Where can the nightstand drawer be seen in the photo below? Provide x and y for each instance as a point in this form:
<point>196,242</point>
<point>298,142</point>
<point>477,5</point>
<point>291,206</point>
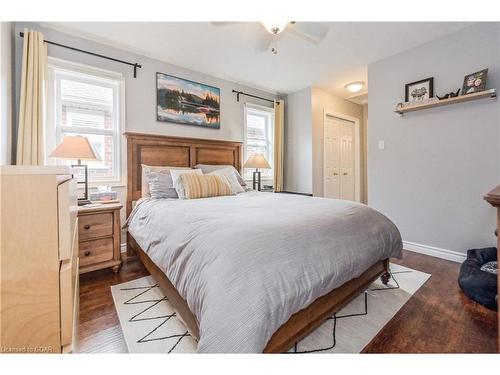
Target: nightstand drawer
<point>95,225</point>
<point>95,251</point>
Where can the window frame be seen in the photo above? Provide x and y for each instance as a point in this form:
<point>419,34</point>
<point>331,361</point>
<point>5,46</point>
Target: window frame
<point>270,112</point>
<point>57,67</point>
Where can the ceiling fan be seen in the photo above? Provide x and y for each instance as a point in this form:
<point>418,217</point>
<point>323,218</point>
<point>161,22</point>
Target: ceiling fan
<point>312,32</point>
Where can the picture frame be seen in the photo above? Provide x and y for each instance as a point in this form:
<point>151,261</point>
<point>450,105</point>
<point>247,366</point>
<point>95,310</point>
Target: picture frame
<point>419,91</point>
<point>475,82</point>
<point>186,102</point>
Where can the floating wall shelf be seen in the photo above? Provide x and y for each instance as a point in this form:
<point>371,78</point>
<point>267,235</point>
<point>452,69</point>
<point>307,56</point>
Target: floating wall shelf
<point>492,94</point>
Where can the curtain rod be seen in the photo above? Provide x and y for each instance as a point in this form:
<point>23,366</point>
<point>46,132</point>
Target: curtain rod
<point>238,93</point>
<point>135,65</point>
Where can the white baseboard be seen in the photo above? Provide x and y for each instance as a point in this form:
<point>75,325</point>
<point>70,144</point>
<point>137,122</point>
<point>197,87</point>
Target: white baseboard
<point>437,252</point>
<point>123,247</point>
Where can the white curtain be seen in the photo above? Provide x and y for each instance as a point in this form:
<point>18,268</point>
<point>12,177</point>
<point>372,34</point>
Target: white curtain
<point>279,124</point>
<point>30,139</point>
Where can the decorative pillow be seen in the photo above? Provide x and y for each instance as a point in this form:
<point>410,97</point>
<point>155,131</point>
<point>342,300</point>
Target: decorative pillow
<point>146,169</point>
<point>205,185</point>
<point>208,168</point>
<point>231,178</point>
<point>161,185</point>
<point>176,174</point>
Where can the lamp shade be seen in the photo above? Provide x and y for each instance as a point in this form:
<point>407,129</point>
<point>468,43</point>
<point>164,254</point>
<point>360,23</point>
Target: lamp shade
<point>257,161</point>
<point>75,148</point>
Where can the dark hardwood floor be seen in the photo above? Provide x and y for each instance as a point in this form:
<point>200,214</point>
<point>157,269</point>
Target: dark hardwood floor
<point>439,318</point>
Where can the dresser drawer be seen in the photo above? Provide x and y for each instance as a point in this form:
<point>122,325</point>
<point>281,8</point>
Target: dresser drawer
<point>95,251</point>
<point>95,225</point>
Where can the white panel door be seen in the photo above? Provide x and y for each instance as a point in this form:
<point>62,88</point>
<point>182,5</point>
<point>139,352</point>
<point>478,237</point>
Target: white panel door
<point>347,160</point>
<point>331,165</point>
<point>338,159</point>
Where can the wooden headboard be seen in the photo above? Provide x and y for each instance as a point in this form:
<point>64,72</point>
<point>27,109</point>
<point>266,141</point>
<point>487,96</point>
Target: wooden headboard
<point>176,152</point>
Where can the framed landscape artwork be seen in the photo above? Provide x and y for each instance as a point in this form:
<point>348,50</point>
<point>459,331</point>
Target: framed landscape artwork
<point>186,102</point>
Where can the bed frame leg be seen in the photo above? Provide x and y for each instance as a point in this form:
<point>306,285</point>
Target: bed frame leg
<point>385,278</point>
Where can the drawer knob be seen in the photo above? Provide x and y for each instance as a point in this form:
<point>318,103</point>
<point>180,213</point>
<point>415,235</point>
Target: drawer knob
<point>87,253</point>
<point>86,226</point>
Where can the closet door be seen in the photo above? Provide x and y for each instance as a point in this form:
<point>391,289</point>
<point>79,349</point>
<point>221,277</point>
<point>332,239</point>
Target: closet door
<point>331,157</point>
<point>347,160</point>
<point>338,159</point>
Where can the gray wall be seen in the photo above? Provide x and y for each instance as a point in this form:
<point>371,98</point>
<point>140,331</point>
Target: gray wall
<point>140,92</point>
<point>298,143</point>
<point>437,163</point>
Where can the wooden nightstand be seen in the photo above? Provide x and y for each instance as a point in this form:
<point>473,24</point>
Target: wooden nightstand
<point>99,231</point>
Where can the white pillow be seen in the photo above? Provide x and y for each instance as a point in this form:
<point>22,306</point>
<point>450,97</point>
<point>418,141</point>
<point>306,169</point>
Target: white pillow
<point>231,178</point>
<point>146,169</point>
<point>208,168</point>
<point>177,181</point>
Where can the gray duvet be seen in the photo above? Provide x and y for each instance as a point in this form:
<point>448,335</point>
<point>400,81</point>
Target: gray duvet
<point>246,263</point>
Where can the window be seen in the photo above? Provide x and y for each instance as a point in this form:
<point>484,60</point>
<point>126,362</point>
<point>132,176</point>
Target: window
<point>259,137</point>
<point>87,101</point>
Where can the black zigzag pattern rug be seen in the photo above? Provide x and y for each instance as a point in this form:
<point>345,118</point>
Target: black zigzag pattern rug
<point>151,325</point>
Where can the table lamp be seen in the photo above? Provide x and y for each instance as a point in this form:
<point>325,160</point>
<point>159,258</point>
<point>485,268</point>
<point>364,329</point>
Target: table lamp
<point>77,148</point>
<point>257,161</point>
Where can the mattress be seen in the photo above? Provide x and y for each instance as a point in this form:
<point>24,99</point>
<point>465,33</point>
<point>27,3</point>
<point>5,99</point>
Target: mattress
<point>246,263</point>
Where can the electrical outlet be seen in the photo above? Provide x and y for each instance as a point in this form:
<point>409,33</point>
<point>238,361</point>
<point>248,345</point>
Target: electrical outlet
<point>381,145</point>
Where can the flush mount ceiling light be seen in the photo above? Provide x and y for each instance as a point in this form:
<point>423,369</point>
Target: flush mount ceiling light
<point>355,86</point>
<point>275,27</point>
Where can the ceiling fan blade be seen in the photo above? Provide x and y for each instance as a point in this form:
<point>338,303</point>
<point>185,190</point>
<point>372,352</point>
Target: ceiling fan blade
<point>313,32</point>
<point>222,23</point>
<point>265,41</point>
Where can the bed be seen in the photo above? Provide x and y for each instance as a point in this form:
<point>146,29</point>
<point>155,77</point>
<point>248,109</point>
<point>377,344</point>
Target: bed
<point>254,272</point>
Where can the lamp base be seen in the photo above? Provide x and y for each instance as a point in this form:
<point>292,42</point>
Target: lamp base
<point>83,202</point>
<point>256,180</point>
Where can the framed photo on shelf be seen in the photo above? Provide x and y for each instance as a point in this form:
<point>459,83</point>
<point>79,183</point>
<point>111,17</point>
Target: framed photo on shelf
<point>420,90</point>
<point>475,82</point>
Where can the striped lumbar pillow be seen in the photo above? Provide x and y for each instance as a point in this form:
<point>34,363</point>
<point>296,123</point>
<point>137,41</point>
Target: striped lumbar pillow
<point>205,186</point>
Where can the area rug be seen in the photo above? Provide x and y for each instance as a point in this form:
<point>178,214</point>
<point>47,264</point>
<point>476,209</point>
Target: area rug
<point>151,325</point>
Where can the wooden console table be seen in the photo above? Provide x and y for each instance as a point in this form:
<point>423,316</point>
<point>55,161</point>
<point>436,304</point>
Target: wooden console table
<point>493,198</point>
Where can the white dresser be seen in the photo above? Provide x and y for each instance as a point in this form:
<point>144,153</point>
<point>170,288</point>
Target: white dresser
<point>38,259</point>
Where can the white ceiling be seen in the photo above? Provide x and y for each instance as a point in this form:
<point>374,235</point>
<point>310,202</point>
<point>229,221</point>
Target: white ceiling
<point>234,51</point>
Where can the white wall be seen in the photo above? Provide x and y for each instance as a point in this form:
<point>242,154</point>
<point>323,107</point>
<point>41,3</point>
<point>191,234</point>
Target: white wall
<point>304,138</point>
<point>6,71</point>
<point>437,163</point>
<point>140,92</point>
<point>322,100</point>
<point>298,143</point>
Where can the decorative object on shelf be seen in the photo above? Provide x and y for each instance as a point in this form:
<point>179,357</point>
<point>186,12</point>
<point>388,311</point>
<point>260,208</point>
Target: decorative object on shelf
<point>449,95</point>
<point>77,148</point>
<point>420,90</point>
<point>434,102</point>
<point>257,161</point>
<point>182,101</point>
<point>475,82</point>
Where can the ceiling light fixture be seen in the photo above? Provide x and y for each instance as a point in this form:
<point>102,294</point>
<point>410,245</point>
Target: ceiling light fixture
<point>355,86</point>
<point>275,27</point>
